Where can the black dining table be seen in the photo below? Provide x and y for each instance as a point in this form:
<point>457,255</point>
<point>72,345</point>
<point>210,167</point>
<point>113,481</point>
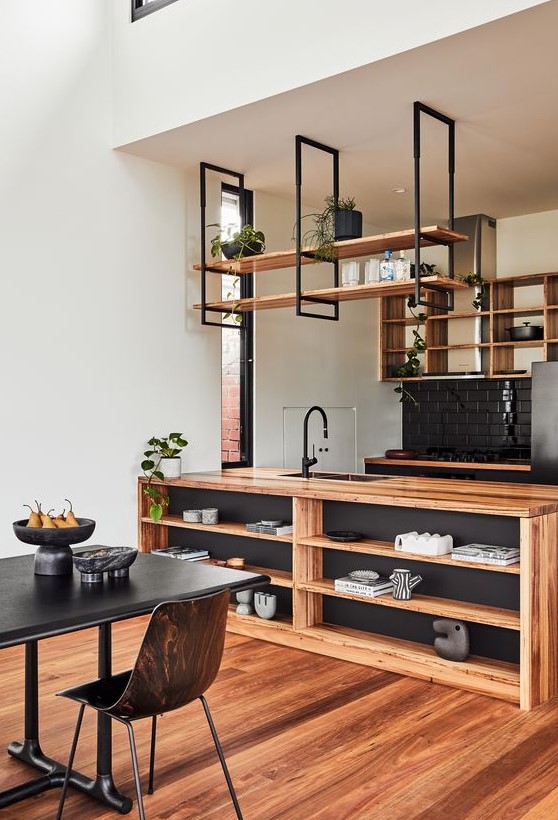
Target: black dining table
<point>33,607</point>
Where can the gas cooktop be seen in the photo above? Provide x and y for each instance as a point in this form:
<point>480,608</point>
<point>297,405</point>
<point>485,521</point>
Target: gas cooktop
<point>507,455</point>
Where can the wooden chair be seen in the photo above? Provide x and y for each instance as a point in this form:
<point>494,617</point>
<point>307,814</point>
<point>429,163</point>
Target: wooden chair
<point>178,660</point>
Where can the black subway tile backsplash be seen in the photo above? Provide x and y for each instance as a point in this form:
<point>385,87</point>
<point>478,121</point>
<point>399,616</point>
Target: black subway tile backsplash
<point>468,414</point>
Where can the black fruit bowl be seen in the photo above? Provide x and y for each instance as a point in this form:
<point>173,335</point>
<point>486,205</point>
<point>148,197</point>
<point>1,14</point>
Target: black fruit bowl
<point>54,555</point>
<point>47,537</point>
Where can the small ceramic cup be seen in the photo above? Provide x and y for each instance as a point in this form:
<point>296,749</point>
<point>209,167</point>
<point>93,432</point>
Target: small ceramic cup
<point>210,515</point>
<point>265,604</point>
<point>192,516</point>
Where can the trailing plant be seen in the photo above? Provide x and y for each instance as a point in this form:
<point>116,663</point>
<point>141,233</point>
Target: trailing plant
<point>250,242</point>
<point>167,447</point>
<point>320,237</point>
<point>476,280</point>
<point>411,367</point>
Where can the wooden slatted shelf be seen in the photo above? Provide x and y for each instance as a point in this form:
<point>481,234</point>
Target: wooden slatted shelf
<point>279,577</point>
<point>444,607</point>
<point>484,675</point>
<point>355,293</point>
<point>386,549</point>
<point>279,622</point>
<point>224,528</point>
<point>346,249</point>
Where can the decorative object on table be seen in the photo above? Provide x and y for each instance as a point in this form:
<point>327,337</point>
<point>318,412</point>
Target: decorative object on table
<point>54,554</point>
<point>525,332</point>
<point>94,562</point>
<point>424,544</point>
<point>265,605</point>
<point>487,554</point>
<point>343,535</point>
<point>161,461</point>
<point>401,454</point>
<point>372,588</point>
<point>403,583</point>
<point>338,220</point>
<point>183,553</point>
<point>245,602</point>
<point>210,515</point>
<point>452,641</point>
<point>236,563</point>
<point>270,527</point>
<point>350,274</point>
<point>192,516</point>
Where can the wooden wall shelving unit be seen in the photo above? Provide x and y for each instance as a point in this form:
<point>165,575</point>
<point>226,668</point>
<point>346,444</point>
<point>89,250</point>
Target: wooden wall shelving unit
<point>347,249</point>
<point>500,313</point>
<point>528,683</point>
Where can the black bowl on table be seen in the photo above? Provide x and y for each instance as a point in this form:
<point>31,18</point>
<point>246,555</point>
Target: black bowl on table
<point>92,563</point>
<point>54,554</point>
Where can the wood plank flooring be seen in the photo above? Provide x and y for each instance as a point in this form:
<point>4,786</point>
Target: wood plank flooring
<point>305,736</point>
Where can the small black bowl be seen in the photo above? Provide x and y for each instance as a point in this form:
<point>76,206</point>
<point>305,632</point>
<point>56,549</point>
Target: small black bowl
<point>343,535</point>
<point>54,556</point>
<point>96,560</point>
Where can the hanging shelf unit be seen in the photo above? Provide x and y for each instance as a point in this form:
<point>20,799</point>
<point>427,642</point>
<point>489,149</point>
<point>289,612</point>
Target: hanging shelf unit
<point>420,287</point>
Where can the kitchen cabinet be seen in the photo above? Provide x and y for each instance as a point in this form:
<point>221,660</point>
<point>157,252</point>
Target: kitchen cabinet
<point>511,611</point>
<point>497,354</point>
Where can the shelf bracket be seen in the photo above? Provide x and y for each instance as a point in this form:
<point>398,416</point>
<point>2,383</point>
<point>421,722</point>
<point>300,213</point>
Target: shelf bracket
<point>299,142</point>
<point>418,109</point>
<point>204,267</point>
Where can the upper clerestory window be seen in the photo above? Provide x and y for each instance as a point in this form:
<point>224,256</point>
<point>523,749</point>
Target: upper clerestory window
<point>140,8</point>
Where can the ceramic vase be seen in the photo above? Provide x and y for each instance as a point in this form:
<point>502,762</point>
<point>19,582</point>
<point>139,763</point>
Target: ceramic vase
<point>245,600</point>
<point>171,467</point>
<point>452,639</point>
<point>265,604</point>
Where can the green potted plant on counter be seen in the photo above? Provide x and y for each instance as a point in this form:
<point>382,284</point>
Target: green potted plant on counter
<point>161,461</point>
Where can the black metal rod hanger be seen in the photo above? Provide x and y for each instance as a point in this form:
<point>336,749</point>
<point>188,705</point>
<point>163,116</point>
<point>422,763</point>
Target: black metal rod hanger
<point>418,109</point>
<point>299,142</point>
<point>204,168</point>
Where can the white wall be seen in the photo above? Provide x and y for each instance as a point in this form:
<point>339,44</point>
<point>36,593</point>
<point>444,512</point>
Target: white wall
<point>98,352</point>
<point>527,244</point>
<point>303,361</point>
<point>194,59</point>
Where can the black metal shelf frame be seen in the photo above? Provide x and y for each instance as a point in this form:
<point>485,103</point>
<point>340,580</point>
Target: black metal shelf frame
<point>418,109</point>
<point>299,142</point>
<point>204,168</point>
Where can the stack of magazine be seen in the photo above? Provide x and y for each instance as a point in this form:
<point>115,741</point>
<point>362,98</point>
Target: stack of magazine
<point>263,529</point>
<point>486,554</point>
<point>183,553</point>
<point>369,589</point>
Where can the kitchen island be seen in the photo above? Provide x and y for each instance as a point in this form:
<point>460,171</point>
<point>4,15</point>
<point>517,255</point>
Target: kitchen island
<point>511,611</point>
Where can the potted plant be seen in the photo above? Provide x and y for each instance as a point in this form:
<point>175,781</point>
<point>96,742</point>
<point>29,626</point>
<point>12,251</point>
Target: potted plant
<point>237,244</point>
<point>164,456</point>
<point>337,221</point>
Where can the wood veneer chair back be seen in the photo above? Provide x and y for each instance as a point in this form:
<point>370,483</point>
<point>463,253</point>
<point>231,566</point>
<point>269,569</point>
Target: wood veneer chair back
<point>179,657</point>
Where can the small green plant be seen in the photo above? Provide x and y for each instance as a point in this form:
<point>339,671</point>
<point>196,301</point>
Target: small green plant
<point>320,237</point>
<point>166,447</point>
<point>411,367</point>
<point>246,242</point>
<point>476,280</point>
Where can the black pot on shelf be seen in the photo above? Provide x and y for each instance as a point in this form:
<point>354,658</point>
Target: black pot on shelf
<point>348,224</point>
<point>233,249</point>
<point>525,332</point>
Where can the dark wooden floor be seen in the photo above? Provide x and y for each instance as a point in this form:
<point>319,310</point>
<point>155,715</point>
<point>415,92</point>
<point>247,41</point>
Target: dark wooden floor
<point>305,737</point>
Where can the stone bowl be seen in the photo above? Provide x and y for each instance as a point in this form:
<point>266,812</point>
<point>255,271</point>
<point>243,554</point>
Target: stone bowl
<point>54,555</point>
<point>92,563</point>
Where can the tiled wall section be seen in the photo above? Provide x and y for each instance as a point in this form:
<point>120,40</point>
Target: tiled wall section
<point>467,414</point>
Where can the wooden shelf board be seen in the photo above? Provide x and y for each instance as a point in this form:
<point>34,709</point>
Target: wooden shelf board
<point>279,577</point>
<point>355,293</point>
<point>409,320</point>
<point>279,622</point>
<point>346,249</point>
<point>492,677</point>
<point>386,549</point>
<point>486,377</point>
<point>530,343</point>
<point>520,311</point>
<point>224,528</point>
<point>444,607</point>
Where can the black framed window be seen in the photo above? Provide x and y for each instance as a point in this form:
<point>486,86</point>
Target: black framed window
<point>141,8</point>
<point>237,348</point>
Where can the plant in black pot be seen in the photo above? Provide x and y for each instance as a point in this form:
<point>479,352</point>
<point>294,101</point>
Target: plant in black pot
<point>335,222</point>
<point>237,244</point>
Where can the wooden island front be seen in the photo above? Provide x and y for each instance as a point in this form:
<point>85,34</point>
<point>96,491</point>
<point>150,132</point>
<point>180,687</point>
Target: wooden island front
<point>511,611</point>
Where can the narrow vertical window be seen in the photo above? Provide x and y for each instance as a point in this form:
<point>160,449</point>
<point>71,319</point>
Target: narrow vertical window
<point>236,349</point>
<point>140,8</point>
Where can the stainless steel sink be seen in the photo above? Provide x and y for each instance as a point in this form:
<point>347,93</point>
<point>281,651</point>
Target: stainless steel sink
<point>337,476</point>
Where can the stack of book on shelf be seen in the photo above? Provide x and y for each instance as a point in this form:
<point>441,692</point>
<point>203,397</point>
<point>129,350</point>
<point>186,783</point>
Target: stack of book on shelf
<point>183,553</point>
<point>486,554</point>
<point>270,528</point>
<point>368,589</point>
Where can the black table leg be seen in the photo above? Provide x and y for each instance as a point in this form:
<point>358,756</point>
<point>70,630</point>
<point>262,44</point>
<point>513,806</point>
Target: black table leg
<point>29,751</point>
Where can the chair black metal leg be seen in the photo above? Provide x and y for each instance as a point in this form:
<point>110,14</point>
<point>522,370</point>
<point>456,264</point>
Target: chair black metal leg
<point>70,761</point>
<point>221,757</point>
<point>135,767</point>
<point>152,755</point>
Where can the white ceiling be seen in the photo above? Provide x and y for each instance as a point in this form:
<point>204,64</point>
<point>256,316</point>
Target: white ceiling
<point>498,81</point>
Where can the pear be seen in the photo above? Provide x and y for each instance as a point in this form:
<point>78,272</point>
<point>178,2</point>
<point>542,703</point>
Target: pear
<point>34,518</point>
<point>47,521</point>
<point>71,520</point>
<point>60,521</point>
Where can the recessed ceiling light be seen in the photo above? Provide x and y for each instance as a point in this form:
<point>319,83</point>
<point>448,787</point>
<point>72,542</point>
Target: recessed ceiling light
<point>399,190</point>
